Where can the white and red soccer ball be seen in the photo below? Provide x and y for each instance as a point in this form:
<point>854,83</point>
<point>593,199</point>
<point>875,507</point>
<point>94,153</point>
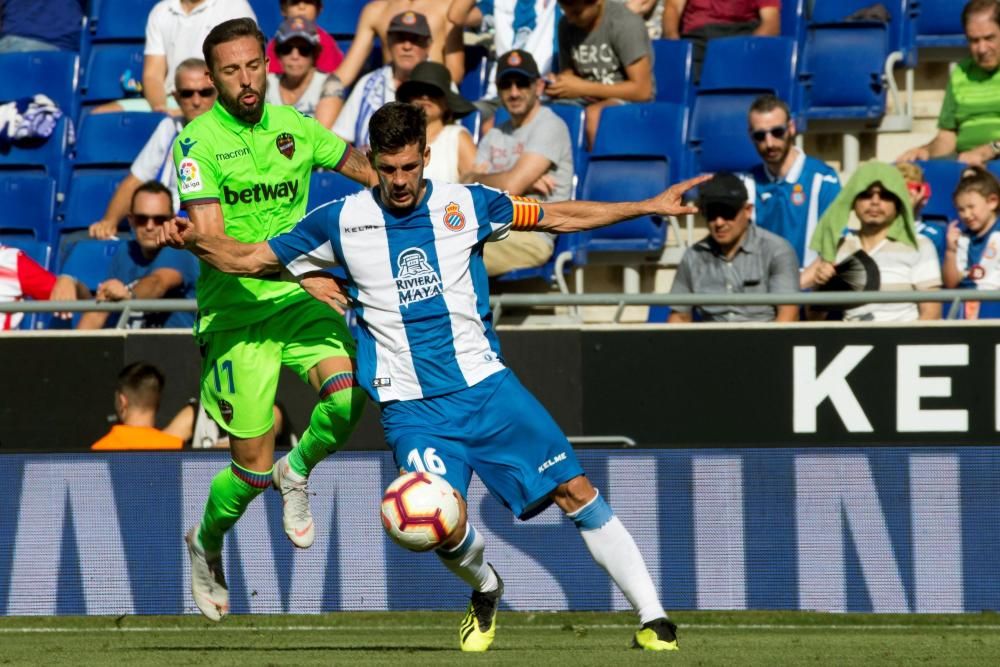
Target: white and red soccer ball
<point>420,511</point>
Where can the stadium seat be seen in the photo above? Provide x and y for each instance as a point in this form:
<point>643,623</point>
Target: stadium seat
<point>653,130</point>
<point>28,200</point>
<point>672,71</point>
<point>106,66</point>
<point>612,179</point>
<point>113,139</point>
<point>902,25</point>
<point>477,66</point>
<point>47,154</point>
<point>51,73</point>
<point>993,167</point>
<point>718,133</point>
<point>89,261</point>
<point>753,64</point>
<point>793,20</point>
<point>340,17</point>
<point>120,20</point>
<point>940,25</point>
<point>843,67</point>
<point>942,176</point>
<point>269,14</point>
<point>90,190</point>
<point>325,186</point>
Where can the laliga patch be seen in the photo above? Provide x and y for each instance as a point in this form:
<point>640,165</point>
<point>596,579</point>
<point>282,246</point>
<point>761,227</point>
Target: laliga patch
<point>286,144</point>
<point>453,217</point>
<point>226,410</point>
<point>189,176</point>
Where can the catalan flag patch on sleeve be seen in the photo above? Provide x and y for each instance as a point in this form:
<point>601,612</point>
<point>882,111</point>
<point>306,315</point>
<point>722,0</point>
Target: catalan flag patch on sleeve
<point>527,213</point>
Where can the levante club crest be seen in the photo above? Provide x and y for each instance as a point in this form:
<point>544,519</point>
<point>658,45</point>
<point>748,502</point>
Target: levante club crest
<point>453,217</point>
<point>286,144</point>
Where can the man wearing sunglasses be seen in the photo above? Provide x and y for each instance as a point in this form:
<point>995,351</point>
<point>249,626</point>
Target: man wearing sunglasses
<point>529,154</point>
<point>195,95</point>
<point>140,269</point>
<point>790,190</point>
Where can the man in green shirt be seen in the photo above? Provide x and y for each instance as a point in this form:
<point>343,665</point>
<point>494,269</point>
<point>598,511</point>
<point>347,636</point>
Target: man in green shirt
<point>243,169</point>
<point>969,123</point>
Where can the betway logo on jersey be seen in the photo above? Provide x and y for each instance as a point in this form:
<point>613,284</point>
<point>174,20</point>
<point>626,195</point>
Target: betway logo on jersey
<point>416,280</point>
<point>261,192</point>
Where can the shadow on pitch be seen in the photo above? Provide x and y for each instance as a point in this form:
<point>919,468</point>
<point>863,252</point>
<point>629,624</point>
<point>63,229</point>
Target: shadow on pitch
<point>363,647</point>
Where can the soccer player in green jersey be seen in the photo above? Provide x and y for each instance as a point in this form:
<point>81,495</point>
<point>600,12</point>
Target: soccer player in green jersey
<point>243,169</point>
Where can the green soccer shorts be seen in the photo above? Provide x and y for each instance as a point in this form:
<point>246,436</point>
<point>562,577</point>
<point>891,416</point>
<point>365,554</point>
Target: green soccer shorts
<point>239,375</point>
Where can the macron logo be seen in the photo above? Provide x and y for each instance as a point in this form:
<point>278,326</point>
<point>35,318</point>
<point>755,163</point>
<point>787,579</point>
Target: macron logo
<point>561,456</point>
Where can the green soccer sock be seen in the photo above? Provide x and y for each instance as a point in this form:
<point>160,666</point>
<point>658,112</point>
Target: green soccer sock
<point>332,422</point>
<point>230,493</point>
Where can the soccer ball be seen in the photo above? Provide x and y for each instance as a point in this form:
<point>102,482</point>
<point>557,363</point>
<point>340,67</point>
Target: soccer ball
<point>419,511</point>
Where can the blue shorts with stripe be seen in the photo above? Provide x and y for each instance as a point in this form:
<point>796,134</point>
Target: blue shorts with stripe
<point>496,429</point>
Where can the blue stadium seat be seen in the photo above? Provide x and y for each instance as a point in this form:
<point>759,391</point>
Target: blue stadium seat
<point>655,130</point>
<point>120,20</point>
<point>753,64</point>
<point>940,25</point>
<point>793,20</point>
<point>672,71</point>
<point>718,133</point>
<point>89,261</point>
<point>843,67</point>
<point>325,186</point>
<point>994,168</point>
<point>474,84</point>
<point>51,73</point>
<point>90,190</point>
<point>942,176</point>
<point>105,67</point>
<point>902,27</point>
<point>47,154</point>
<point>269,14</point>
<point>28,202</point>
<point>113,139</point>
<point>340,17</point>
<point>626,179</point>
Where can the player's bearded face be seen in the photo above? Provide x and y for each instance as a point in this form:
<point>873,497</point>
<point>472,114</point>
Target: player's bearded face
<point>240,75</point>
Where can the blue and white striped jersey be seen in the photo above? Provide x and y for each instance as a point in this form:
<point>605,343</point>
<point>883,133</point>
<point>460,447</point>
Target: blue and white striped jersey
<point>417,280</point>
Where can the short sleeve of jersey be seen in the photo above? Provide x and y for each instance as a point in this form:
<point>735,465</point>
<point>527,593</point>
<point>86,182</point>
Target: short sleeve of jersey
<point>329,150</point>
<point>499,212</point>
<point>154,33</point>
<point>947,119</point>
<point>198,174</point>
<point>309,245</point>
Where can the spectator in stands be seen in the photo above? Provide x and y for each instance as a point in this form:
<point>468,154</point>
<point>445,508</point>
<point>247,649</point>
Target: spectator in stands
<point>198,430</point>
<point>409,39</point>
<point>21,276</point>
<point>445,44</point>
<point>700,21</point>
<point>736,258</point>
<point>137,399</point>
<point>969,122</point>
<point>529,154</point>
<point>40,25</point>
<point>877,198</point>
<point>175,32</point>
<point>453,152</point>
<point>140,269</point>
<point>651,12</point>
<point>972,259</point>
<point>300,85</point>
<point>330,56</point>
<point>920,192</point>
<point>790,189</point>
<point>604,58</point>
<point>195,94</point>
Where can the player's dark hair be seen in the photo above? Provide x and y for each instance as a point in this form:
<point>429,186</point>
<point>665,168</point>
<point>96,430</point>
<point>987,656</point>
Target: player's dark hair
<point>228,31</point>
<point>977,179</point>
<point>976,7</point>
<point>396,126</point>
<point>318,3</point>
<point>767,103</point>
<point>155,188</point>
<point>142,383</point>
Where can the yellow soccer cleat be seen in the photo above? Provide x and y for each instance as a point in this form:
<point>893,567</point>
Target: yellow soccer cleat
<point>658,635</point>
<point>479,626</point>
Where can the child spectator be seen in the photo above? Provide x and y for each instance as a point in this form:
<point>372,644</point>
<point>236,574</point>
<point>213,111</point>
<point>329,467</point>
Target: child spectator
<point>329,56</point>
<point>971,257</point>
<point>920,194</point>
<point>604,58</point>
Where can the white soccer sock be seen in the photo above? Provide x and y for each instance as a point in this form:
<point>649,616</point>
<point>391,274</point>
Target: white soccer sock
<point>613,548</point>
<point>466,560</point>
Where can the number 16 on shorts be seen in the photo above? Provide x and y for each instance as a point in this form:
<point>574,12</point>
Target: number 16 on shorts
<point>428,462</point>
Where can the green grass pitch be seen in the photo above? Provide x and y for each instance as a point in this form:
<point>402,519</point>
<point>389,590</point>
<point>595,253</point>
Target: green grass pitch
<point>523,639</point>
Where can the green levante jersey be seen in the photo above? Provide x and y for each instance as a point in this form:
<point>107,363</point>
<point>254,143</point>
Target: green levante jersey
<point>259,175</point>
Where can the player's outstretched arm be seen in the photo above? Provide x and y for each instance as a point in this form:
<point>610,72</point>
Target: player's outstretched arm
<point>224,253</point>
<point>577,216</point>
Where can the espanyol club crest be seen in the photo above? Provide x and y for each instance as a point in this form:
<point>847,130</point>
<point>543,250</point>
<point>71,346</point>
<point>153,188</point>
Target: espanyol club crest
<point>453,217</point>
<point>514,59</point>
<point>798,195</point>
<point>976,272</point>
<point>409,18</point>
<point>286,144</point>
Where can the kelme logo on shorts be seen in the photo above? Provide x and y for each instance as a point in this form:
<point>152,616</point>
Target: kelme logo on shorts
<point>261,192</point>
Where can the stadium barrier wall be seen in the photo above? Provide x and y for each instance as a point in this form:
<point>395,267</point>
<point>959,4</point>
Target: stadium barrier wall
<point>863,529</point>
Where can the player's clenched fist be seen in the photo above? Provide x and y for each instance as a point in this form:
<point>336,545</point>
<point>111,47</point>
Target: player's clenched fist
<point>176,233</point>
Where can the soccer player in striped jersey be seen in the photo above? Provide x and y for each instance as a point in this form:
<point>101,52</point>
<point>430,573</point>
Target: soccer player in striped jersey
<point>428,354</point>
